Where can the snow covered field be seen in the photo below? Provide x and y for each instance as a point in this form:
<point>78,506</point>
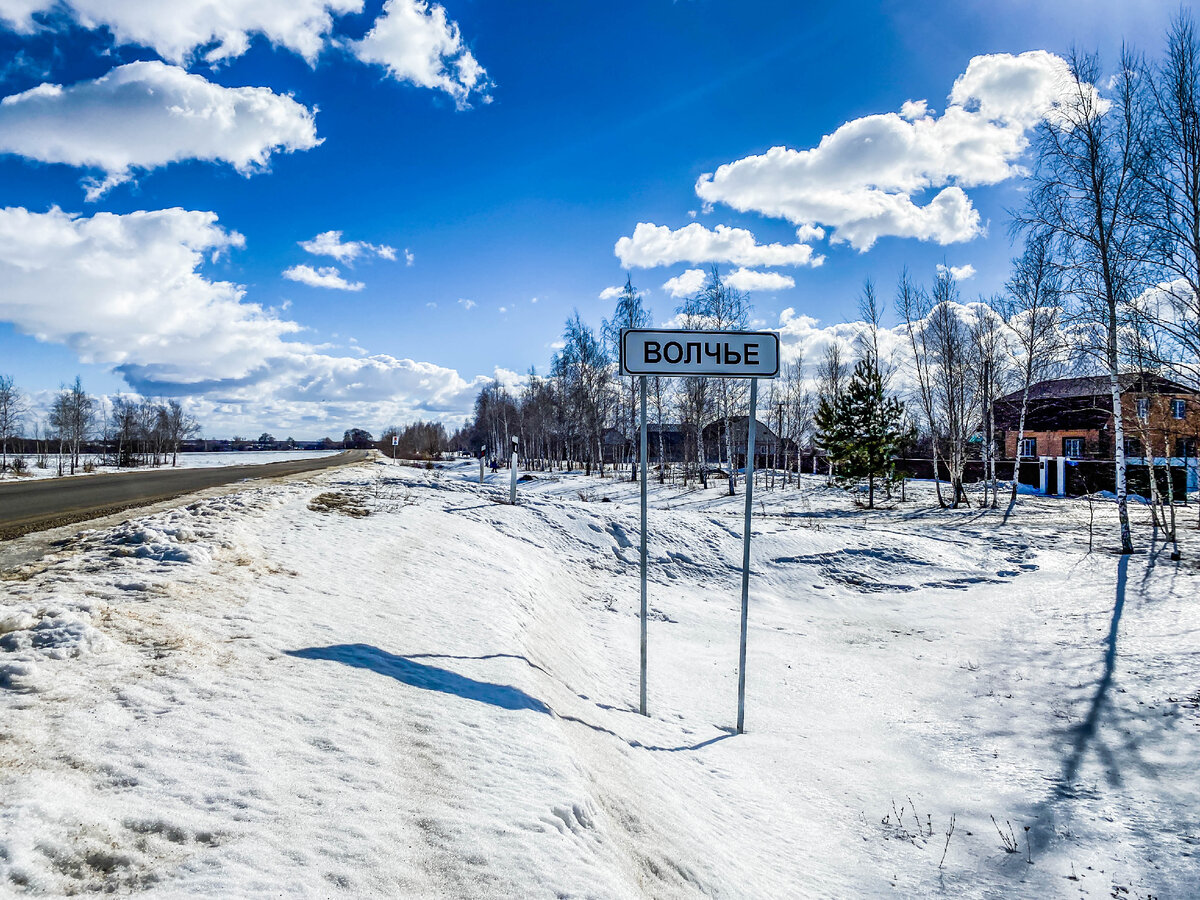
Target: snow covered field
<point>186,461</point>
<point>381,681</point>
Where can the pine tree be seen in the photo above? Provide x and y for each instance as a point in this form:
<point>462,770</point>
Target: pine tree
<point>862,429</point>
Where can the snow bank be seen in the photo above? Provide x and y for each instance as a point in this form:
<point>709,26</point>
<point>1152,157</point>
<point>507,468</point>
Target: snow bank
<point>255,695</point>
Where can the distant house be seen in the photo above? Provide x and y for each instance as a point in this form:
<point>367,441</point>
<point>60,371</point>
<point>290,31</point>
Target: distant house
<point>766,442</point>
<point>1072,418</point>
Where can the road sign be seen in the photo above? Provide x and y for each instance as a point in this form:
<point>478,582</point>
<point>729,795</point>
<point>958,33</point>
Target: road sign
<point>727,354</point>
<point>724,354</point>
<point>395,440</point>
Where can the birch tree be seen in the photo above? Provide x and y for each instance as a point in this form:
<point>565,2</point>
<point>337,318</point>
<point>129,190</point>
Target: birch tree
<point>1030,309</point>
<point>1089,190</point>
<point>12,414</point>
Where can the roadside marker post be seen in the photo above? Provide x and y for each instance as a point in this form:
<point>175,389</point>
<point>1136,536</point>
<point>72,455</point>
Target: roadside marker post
<point>675,353</point>
<point>482,455</point>
<point>512,488</point>
<point>395,442</point>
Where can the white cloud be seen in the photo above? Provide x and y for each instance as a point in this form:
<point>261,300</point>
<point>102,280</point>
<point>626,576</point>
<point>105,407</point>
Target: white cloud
<point>416,42</point>
<point>867,179</point>
<point>123,289</point>
<point>409,257</point>
<point>176,30</point>
<point>914,109</point>
<point>144,115</point>
<point>126,291</point>
<point>958,273</point>
<point>431,305</point>
<point>657,245</point>
<point>466,304</point>
<point>686,284</point>
<point>413,39</point>
<point>330,243</point>
<point>503,309</point>
<point>611,293</point>
<point>324,277</point>
<point>750,280</point>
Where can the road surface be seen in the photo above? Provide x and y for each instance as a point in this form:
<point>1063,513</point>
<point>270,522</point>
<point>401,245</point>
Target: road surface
<point>47,503</point>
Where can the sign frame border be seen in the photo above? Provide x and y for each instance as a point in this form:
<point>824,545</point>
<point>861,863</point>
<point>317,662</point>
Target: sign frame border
<point>623,370</point>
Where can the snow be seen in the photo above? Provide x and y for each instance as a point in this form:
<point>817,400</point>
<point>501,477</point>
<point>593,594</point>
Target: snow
<point>410,688</point>
<point>185,461</point>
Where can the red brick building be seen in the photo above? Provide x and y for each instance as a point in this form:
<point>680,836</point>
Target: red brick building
<point>1072,417</point>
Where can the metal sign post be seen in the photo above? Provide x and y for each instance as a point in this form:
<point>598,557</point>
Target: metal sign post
<point>750,429</point>
<point>642,388</point>
<point>512,488</point>
<point>395,441</point>
<point>723,354</point>
<point>482,455</point>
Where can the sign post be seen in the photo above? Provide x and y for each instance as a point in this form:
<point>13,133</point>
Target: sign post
<point>395,441</point>
<point>722,354</point>
<point>642,388</point>
<point>482,454</point>
<point>512,488</point>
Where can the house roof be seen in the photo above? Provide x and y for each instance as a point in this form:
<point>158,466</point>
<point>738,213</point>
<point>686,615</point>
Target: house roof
<point>1097,385</point>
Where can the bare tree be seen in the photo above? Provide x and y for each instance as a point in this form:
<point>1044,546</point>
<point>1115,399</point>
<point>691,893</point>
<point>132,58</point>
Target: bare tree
<point>954,386</point>
<point>630,313</point>
<point>722,308</point>
<point>913,303</point>
<point>1090,192</point>
<point>72,416</point>
<point>12,414</point>
<point>1174,183</point>
<point>179,425</point>
<point>991,373</point>
<point>1030,309</point>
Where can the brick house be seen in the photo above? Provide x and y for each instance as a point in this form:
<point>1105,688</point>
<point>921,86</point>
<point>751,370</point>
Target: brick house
<point>1072,418</point>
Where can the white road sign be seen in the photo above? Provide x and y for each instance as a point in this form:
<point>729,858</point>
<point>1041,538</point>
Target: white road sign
<point>395,440</point>
<point>728,354</point>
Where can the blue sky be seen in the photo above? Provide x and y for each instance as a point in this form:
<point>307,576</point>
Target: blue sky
<point>480,160</point>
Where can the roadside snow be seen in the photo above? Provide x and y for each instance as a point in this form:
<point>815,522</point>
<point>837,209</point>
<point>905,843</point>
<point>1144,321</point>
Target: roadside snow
<point>383,681</point>
<point>185,461</point>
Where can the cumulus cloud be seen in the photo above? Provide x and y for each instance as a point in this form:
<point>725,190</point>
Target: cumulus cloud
<point>609,293</point>
<point>466,304</point>
<point>324,277</point>
<point>123,289</point>
<point>413,39</point>
<point>958,273</point>
<point>750,280</point>
<point>415,42</point>
<point>868,179</point>
<point>657,245</point>
<point>127,291</point>
<point>686,284</point>
<point>144,115</point>
<point>176,30</point>
<point>409,257</point>
<point>330,243</point>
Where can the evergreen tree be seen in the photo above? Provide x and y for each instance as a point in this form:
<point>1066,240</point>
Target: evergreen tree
<point>862,428</point>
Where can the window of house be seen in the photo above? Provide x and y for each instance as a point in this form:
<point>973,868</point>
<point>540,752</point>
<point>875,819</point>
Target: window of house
<point>1178,408</point>
<point>1133,447</point>
<point>1185,447</point>
<point>1073,447</point>
<point>1143,407</point>
<point>1028,447</point>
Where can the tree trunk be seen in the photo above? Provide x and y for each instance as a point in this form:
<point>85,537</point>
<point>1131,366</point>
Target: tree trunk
<point>1119,454</point>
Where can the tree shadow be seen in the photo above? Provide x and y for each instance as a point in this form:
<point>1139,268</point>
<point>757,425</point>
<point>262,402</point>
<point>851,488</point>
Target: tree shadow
<point>431,678</point>
<point>1085,733</point>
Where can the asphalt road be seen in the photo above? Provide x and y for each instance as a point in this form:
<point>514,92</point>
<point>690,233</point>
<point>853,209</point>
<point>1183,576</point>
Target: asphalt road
<point>27,506</point>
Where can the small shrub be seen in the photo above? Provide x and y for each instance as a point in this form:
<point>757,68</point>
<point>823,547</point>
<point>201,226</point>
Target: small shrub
<point>19,466</point>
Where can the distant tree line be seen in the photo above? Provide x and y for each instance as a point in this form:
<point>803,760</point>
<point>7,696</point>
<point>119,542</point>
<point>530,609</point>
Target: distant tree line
<point>129,431</point>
